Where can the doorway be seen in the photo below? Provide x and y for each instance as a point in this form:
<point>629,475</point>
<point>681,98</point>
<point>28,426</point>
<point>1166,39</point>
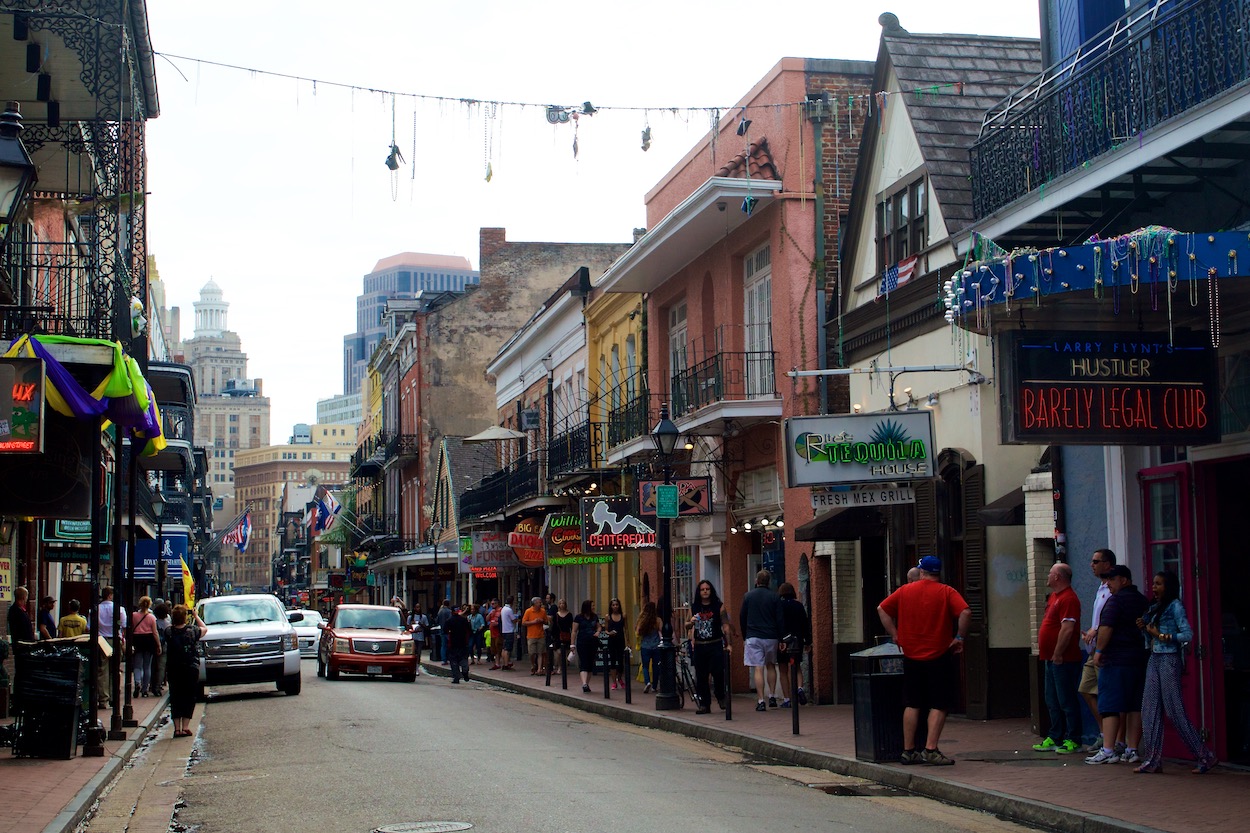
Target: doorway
<point>1231,631</point>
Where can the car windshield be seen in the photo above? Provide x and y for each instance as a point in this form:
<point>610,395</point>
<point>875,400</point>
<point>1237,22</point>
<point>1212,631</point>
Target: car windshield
<point>241,612</point>
<point>383,619</point>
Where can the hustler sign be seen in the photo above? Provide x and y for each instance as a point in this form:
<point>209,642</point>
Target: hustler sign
<point>1109,389</point>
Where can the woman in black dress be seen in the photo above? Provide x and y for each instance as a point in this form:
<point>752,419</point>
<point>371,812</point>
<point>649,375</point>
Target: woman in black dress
<point>562,630</point>
<point>709,634</point>
<point>615,623</point>
<point>586,627</point>
<point>182,668</point>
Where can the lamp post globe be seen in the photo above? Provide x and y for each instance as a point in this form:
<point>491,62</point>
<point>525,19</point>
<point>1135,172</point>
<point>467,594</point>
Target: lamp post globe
<point>17,171</point>
<point>665,436</point>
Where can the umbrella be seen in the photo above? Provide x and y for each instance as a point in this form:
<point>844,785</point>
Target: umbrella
<point>494,434</point>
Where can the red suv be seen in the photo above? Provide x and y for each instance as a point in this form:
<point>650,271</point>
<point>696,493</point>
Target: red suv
<point>366,639</point>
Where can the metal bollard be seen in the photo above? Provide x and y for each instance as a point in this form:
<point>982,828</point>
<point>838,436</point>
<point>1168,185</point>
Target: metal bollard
<point>729,694</point>
<point>627,673</point>
<point>794,697</point>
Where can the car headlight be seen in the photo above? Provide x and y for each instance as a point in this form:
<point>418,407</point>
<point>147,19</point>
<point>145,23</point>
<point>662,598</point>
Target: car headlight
<point>405,647</point>
<point>290,642</point>
<point>342,646</point>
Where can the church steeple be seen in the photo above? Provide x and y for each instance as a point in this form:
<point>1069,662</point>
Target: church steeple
<point>210,311</point>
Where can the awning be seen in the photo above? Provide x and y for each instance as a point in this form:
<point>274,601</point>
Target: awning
<point>494,434</point>
<point>846,523</point>
<point>1008,510</point>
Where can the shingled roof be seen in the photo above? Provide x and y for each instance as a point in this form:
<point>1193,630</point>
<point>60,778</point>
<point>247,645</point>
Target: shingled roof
<point>948,82</point>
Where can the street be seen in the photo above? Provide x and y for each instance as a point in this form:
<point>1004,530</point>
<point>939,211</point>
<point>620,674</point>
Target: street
<point>359,754</point>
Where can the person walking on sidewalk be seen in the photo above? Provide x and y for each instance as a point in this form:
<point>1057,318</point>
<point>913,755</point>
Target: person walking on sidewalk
<point>709,635</point>
<point>1100,562</point>
<point>441,618</point>
<point>760,621</point>
<point>146,646</point>
<point>1059,647</point>
<point>796,640</point>
<point>648,630</point>
<point>562,632</point>
<point>73,623</point>
<point>535,623</point>
<point>507,628</point>
<point>494,627</point>
<point>1167,633</point>
<point>586,627</point>
<point>186,629</point>
<point>1121,660</point>
<point>478,622</point>
<point>160,609</point>
<point>918,616</point>
<point>419,624</point>
<point>616,625</point>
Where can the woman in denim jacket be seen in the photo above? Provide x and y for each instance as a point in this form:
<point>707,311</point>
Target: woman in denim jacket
<point>1167,633</point>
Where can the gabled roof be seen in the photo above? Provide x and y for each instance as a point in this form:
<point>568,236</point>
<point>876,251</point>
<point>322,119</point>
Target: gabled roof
<point>466,466</point>
<point>947,84</point>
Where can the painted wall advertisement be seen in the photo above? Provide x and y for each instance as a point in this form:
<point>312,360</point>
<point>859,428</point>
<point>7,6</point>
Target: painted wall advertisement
<point>859,448</point>
<point>1107,388</point>
<point>610,525</point>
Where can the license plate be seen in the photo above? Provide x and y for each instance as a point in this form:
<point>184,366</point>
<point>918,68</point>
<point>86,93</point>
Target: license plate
<point>373,669</point>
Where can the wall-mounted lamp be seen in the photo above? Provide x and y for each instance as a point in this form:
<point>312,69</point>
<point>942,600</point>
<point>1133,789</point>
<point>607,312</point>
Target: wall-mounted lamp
<point>747,526</point>
<point>548,362</point>
<point>733,530</point>
<point>975,378</point>
<point>689,445</point>
<point>932,401</point>
<point>781,522</point>
<point>17,171</point>
<point>857,407</point>
<point>765,521</point>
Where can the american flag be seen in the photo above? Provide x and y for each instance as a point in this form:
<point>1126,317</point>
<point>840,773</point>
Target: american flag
<point>897,275</point>
<point>240,533</point>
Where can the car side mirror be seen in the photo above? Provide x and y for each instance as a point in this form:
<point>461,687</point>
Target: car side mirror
<point>321,624</point>
<point>295,617</point>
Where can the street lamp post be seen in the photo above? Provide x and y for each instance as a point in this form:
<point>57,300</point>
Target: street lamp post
<point>665,436</point>
<point>17,171</point>
<point>158,511</point>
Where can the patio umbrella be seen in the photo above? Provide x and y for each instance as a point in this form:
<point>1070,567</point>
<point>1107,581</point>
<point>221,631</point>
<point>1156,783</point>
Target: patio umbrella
<point>494,434</point>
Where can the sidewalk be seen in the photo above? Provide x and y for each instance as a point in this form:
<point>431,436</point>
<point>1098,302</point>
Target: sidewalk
<point>996,771</point>
<point>41,795</point>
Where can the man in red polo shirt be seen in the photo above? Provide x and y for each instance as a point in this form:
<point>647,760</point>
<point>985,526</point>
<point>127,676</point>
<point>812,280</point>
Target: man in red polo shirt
<point>919,617</point>
<point>1058,643</point>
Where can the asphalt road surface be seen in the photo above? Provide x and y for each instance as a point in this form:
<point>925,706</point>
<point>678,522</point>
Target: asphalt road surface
<point>356,755</point>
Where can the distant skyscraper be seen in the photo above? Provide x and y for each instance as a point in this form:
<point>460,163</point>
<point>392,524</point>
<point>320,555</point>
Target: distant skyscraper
<point>399,276</point>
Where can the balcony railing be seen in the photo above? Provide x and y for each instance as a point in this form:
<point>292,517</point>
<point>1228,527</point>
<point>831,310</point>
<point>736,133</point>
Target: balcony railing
<point>370,456</point>
<point>62,303</point>
<point>502,488</point>
<point>634,418</point>
<point>401,447</point>
<point>177,423</point>
<point>1153,65</point>
<point>575,450</point>
<point>724,377</point>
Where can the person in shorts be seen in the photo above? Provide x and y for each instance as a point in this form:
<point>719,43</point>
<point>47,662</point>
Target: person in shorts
<point>1120,655</point>
<point>928,620</point>
<point>761,620</point>
<point>1100,562</point>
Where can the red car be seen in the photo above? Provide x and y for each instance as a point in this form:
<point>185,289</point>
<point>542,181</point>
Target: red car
<point>366,639</point>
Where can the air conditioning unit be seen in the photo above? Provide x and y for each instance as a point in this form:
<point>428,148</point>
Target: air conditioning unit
<point>529,419</point>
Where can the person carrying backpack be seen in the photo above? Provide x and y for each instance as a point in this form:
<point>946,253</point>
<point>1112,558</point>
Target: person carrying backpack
<point>182,666</point>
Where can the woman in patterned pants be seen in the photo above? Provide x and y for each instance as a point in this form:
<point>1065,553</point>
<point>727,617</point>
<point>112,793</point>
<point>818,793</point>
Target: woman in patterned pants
<point>1167,634</point>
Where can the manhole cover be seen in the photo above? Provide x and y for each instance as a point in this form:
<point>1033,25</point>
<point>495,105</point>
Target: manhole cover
<point>424,827</point>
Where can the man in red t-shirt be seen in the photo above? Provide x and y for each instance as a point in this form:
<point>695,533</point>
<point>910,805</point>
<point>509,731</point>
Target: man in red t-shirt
<point>1059,644</point>
<point>919,616</point>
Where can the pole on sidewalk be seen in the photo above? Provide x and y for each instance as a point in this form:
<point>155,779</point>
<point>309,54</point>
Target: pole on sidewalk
<point>726,656</point>
<point>627,673</point>
<point>794,696</point>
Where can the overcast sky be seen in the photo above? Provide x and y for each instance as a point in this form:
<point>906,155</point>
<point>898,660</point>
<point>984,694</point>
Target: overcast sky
<point>276,188</point>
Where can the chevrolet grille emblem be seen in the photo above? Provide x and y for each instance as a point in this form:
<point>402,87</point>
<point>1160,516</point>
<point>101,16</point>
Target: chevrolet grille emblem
<point>376,647</point>
<point>245,645</point>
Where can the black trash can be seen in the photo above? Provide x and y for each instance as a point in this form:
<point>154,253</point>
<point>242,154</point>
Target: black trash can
<point>48,700</point>
<point>877,695</point>
<point>434,636</point>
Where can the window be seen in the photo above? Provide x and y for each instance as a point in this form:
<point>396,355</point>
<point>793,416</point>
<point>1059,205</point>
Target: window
<point>758,321</point>
<point>902,223</point>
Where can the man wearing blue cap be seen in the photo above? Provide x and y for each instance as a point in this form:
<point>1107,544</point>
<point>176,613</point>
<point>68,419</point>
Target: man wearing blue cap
<point>919,616</point>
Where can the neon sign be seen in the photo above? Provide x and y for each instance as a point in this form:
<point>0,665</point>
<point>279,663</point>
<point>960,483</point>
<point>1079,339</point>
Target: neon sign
<point>859,448</point>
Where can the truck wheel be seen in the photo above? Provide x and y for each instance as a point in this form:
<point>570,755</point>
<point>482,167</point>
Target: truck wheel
<point>290,685</point>
<point>332,673</point>
<point>321,667</point>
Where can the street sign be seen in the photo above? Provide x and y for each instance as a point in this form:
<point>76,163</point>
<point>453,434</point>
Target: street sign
<point>863,496</point>
<point>666,501</point>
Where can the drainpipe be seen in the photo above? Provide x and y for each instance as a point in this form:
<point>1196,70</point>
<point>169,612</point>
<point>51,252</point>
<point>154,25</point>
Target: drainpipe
<point>1056,486</point>
<point>816,115</point>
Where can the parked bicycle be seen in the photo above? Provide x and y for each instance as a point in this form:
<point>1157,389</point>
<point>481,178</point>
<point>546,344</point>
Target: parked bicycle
<point>685,676</point>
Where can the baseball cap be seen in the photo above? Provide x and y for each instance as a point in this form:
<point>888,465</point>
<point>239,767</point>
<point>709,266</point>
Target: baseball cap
<point>1119,571</point>
<point>930,564</point>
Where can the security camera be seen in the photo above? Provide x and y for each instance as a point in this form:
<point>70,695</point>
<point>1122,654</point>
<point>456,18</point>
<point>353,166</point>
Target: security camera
<point>720,206</point>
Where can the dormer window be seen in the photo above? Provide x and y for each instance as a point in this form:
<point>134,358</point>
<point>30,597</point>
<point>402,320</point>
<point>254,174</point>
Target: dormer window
<point>902,222</point>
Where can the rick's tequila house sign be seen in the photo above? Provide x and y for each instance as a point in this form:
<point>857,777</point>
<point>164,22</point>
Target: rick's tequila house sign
<point>859,448</point>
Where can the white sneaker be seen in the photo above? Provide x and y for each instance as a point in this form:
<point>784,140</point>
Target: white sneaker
<point>1103,757</point>
<point>1130,756</point>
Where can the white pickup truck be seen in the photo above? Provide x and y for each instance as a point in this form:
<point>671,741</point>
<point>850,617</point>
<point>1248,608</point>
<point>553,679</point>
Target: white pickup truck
<point>250,640</point>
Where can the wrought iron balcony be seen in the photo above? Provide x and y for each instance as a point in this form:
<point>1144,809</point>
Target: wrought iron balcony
<point>724,377</point>
<point>1152,66</point>
<point>634,418</point>
<point>575,450</point>
<point>370,456</point>
<point>502,488</point>
<point>401,448</point>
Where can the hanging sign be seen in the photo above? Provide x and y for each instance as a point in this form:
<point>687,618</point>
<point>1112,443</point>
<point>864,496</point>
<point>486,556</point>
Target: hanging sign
<point>526,541</point>
<point>859,448</point>
<point>610,525</point>
<point>1109,388</point>
<point>694,496</point>
<point>562,535</point>
<point>21,406</point>
<point>489,549</point>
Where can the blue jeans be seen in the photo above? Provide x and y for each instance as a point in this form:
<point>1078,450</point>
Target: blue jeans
<point>651,666</point>
<point>1063,702</point>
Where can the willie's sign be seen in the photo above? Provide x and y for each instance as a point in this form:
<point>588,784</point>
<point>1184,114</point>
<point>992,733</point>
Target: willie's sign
<point>1131,388</point>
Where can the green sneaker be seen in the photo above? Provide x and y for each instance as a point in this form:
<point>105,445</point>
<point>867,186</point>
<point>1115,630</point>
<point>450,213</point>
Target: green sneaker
<point>1068,747</point>
<point>1047,745</point>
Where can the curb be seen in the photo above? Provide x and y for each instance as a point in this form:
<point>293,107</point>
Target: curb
<point>1005,805</point>
<point>74,812</point>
